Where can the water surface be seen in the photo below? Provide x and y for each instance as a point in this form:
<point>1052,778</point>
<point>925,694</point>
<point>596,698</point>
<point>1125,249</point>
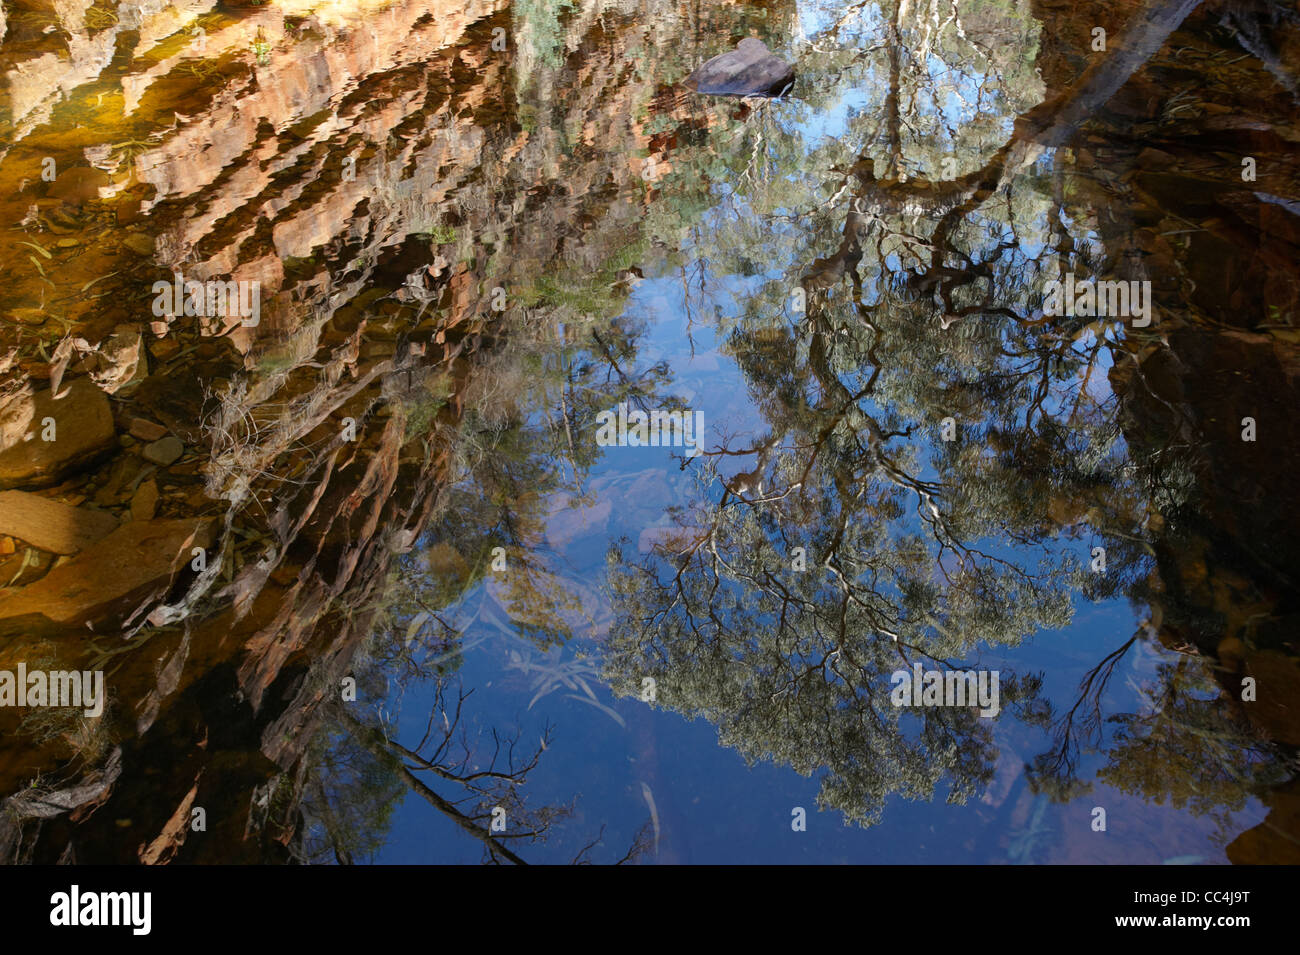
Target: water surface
<point>435,619</point>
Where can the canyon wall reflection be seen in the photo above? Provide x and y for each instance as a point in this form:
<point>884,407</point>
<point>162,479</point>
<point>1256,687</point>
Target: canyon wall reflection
<point>447,214</point>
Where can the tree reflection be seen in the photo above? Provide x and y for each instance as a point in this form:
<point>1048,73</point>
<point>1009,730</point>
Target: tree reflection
<point>923,416</point>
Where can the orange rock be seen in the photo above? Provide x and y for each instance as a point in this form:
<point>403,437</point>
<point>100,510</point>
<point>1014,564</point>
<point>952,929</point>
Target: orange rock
<point>134,564</point>
<point>145,502</point>
<point>51,525</point>
<point>44,438</point>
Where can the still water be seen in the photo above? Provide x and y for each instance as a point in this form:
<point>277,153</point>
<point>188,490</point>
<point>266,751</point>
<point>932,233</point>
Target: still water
<point>574,467</point>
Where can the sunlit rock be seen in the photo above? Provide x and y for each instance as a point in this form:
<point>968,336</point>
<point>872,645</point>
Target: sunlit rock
<point>43,438</point>
<point>130,566</point>
<point>52,525</point>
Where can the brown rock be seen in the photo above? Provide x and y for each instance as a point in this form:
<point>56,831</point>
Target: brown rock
<point>1261,845</point>
<point>146,430</point>
<point>29,316</point>
<point>145,502</point>
<point>18,570</point>
<point>132,565</point>
<point>52,525</point>
<point>164,451</point>
<point>83,431</point>
<point>1277,678</point>
<point>120,477</point>
<point>748,70</point>
<point>77,185</point>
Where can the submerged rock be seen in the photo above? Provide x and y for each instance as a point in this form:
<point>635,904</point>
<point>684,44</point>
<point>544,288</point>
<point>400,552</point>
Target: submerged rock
<point>131,566</point>
<point>164,451</point>
<point>751,69</point>
<point>146,430</point>
<point>43,438</point>
<point>145,502</point>
<point>78,184</point>
<point>52,525</point>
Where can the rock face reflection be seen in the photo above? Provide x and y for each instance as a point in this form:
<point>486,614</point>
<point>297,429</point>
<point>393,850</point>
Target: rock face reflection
<point>445,213</point>
<point>373,179</point>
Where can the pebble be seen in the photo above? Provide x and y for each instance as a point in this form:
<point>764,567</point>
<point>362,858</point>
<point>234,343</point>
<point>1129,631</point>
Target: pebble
<point>146,430</point>
<point>164,451</point>
<point>145,502</point>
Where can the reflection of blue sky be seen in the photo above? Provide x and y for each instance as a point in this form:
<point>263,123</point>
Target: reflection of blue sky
<point>711,806</point>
